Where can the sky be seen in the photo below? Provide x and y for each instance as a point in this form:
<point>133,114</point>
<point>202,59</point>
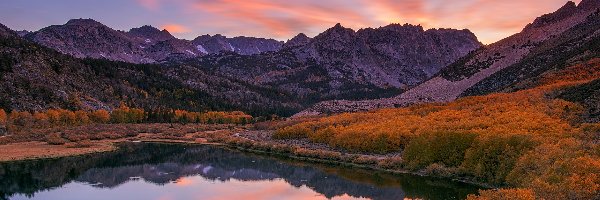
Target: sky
<point>490,20</point>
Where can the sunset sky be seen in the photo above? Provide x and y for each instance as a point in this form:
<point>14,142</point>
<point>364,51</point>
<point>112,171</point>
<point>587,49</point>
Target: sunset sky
<point>490,20</point>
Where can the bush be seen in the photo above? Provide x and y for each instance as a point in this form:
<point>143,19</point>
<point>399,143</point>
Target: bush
<point>75,136</point>
<point>320,154</point>
<point>491,158</point>
<point>55,139</point>
<point>439,170</point>
<point>503,194</point>
<point>365,160</point>
<point>292,132</point>
<point>395,162</point>
<point>443,147</point>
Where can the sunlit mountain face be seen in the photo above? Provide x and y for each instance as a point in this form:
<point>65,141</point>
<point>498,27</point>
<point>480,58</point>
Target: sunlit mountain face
<point>490,20</point>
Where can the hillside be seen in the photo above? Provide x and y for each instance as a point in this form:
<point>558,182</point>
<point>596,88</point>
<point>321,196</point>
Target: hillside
<point>553,41</point>
<point>38,78</point>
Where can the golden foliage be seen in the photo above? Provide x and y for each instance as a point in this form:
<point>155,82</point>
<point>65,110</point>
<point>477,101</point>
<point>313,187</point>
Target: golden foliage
<point>60,117</point>
<point>504,194</point>
<point>522,139</point>
<point>124,114</point>
<point>99,116</point>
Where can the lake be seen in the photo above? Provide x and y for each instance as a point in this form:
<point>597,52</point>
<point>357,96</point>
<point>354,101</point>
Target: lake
<point>152,171</point>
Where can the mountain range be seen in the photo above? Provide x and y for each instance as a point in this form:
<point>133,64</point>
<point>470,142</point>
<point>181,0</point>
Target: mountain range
<point>84,64</point>
<point>87,38</point>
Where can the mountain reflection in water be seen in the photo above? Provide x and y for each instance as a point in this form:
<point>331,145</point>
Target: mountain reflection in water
<point>167,171</point>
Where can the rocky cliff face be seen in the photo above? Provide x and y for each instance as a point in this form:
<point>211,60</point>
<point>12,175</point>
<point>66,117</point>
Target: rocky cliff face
<point>551,41</point>
<point>241,45</point>
<point>149,34</point>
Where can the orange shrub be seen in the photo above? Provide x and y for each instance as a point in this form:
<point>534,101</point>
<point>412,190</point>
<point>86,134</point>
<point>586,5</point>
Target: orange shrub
<point>504,194</point>
<point>55,139</point>
<point>99,116</point>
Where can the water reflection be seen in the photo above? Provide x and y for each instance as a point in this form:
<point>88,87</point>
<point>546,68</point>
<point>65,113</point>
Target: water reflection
<point>162,171</point>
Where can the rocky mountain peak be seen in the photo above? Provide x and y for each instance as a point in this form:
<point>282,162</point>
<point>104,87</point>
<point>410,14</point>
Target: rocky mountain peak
<point>570,9</point>
<point>338,28</point>
<point>405,27</point>
<point>298,40</point>
<point>337,33</point>
<point>150,32</point>
<point>83,22</point>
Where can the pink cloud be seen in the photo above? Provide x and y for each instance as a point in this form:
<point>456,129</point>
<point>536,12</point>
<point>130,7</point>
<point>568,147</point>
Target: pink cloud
<point>490,20</point>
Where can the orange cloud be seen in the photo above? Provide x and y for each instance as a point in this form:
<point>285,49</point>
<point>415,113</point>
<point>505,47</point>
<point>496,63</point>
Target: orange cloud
<point>175,28</point>
<point>284,18</point>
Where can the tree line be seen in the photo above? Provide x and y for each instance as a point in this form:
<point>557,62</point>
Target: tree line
<point>23,120</point>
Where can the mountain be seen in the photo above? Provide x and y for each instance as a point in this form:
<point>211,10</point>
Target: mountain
<point>150,34</point>
<point>298,40</point>
<point>552,41</point>
<point>241,45</point>
<point>87,38</point>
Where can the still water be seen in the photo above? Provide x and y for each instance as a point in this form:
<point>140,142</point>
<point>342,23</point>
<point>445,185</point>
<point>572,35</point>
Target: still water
<point>170,172</point>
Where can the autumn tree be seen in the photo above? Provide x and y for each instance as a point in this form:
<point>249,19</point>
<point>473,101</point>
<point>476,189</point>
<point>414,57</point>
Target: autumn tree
<point>41,119</point>
<point>67,117</point>
<point>53,116</point>
<point>99,116</point>
<point>81,117</point>
<point>2,116</point>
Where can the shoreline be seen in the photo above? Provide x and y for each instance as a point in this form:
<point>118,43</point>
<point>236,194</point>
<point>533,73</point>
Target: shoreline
<point>235,140</point>
<point>373,167</point>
